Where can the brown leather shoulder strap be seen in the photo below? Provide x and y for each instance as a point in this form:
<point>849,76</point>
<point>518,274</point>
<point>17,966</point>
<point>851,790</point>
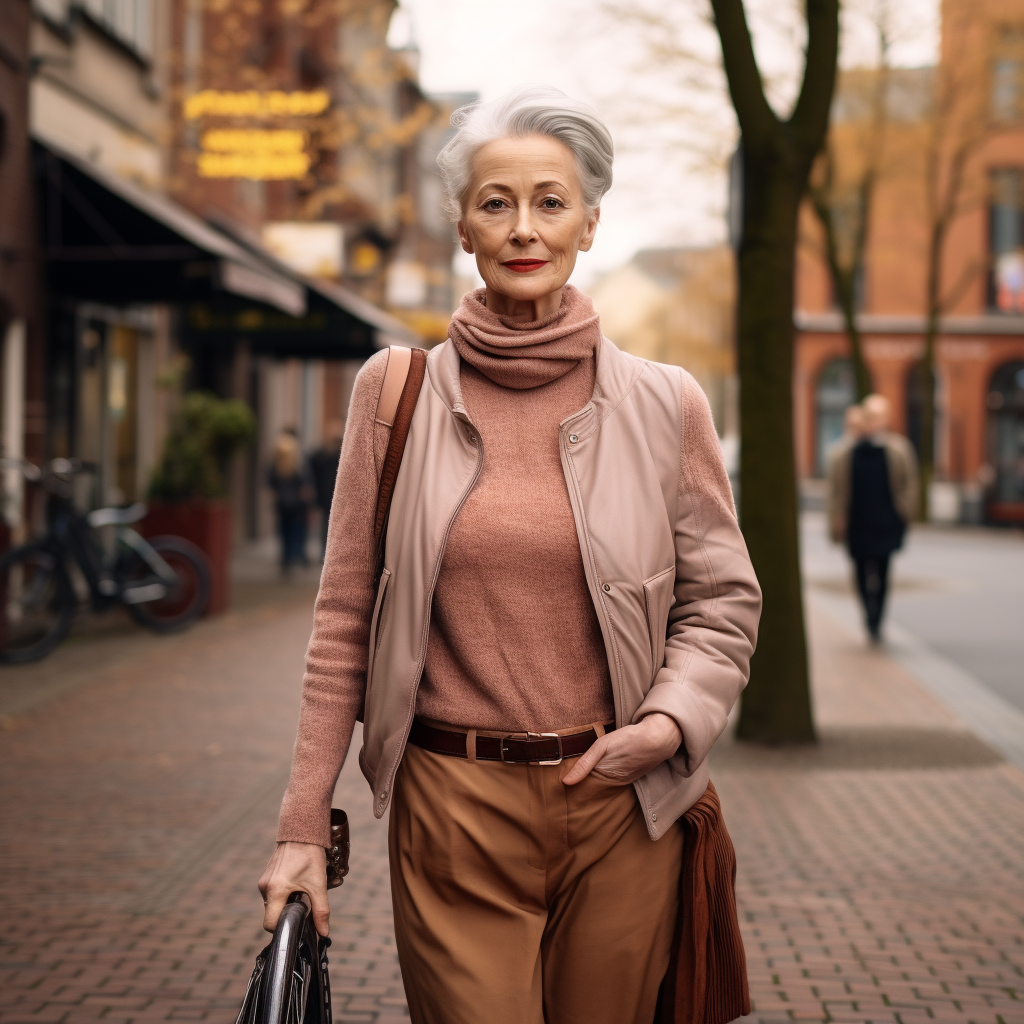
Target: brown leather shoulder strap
<point>396,373</point>
<point>415,369</point>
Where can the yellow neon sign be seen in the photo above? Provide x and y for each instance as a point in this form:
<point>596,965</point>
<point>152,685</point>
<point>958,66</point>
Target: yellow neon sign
<point>257,166</point>
<point>256,104</point>
<point>253,140</point>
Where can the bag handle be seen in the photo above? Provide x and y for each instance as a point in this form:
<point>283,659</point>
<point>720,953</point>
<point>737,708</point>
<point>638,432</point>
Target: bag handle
<point>403,379</point>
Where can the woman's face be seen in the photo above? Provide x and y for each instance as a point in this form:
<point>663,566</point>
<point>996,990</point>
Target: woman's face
<point>525,220</point>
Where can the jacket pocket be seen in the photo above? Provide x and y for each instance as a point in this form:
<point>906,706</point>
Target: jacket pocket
<point>377,622</point>
<point>659,593</point>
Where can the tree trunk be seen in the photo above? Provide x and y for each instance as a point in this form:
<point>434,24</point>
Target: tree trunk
<point>776,705</point>
<point>926,469</point>
<point>844,279</point>
<point>777,160</point>
<point>848,304</point>
<point>926,465</point>
<point>849,293</point>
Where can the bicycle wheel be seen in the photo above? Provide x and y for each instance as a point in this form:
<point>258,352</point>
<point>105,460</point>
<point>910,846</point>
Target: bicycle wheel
<point>185,600</point>
<point>38,604</point>
<point>290,984</point>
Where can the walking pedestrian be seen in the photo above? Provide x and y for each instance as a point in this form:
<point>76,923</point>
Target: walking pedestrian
<point>873,498</point>
<point>564,618</point>
<point>323,467</point>
<point>289,479</point>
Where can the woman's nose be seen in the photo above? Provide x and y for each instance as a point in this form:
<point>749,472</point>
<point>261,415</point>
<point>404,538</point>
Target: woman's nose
<point>522,230</point>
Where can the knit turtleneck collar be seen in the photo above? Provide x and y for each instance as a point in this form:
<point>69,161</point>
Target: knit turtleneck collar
<point>525,353</point>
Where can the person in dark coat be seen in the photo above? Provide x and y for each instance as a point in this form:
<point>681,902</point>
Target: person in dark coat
<point>874,484</point>
<point>323,467</point>
<point>290,480</point>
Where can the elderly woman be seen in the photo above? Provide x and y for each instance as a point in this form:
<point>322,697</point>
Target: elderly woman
<point>565,617</point>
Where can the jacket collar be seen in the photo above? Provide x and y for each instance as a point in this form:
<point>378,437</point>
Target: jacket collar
<point>615,374</point>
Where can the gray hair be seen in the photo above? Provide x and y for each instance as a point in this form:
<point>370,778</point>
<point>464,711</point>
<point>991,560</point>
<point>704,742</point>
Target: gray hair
<point>528,110</point>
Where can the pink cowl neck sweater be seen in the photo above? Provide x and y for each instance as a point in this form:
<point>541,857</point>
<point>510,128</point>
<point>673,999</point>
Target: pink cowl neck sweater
<point>507,650</point>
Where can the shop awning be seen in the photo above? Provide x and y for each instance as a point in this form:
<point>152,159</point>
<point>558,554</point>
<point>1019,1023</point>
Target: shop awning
<point>108,240</point>
<point>389,328</point>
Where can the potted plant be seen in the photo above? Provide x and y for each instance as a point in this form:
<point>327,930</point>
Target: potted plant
<point>187,492</point>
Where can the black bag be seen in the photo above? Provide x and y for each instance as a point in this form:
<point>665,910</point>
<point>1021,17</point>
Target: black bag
<point>290,983</point>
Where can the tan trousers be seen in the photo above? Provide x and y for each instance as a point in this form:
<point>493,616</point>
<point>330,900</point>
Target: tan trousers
<point>519,900</point>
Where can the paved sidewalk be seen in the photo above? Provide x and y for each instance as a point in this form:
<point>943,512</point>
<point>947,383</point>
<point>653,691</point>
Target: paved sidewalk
<point>881,873</point>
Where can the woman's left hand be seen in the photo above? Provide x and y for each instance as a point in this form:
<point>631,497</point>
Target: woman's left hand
<point>629,753</point>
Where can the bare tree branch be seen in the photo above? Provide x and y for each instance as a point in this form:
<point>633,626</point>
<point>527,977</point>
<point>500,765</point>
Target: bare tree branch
<point>810,115</point>
<point>757,119</point>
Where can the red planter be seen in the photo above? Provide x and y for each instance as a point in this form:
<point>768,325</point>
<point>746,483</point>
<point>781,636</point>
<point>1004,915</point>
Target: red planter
<point>1006,511</point>
<point>207,523</point>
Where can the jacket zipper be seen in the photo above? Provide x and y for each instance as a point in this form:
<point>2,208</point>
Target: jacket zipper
<point>410,714</point>
<point>576,500</point>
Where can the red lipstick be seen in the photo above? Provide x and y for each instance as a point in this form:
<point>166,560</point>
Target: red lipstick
<point>524,266</point>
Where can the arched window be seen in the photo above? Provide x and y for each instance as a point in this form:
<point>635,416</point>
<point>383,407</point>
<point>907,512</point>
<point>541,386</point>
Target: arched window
<point>1006,431</point>
<point>836,390</point>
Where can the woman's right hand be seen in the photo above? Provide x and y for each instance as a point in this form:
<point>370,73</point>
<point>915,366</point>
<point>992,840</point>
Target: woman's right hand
<point>296,867</point>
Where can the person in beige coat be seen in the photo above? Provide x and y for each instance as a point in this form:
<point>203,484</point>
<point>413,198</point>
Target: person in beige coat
<point>564,618</point>
<point>872,485</point>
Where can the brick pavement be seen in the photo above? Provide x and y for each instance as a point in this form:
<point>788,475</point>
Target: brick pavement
<point>881,875</point>
<point>880,872</point>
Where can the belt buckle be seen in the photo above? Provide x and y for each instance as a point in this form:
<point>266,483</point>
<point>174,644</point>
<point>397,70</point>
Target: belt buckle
<point>533,736</point>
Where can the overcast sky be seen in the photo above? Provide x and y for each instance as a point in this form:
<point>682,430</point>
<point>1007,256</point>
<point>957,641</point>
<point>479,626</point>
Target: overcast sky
<point>671,119</point>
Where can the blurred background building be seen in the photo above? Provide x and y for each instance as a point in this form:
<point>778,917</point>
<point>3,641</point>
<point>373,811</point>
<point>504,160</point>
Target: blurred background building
<point>236,197</point>
<point>242,197</point>
<point>678,306</point>
<point>946,149</point>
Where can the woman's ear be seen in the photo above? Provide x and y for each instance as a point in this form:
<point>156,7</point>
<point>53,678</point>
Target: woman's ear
<point>593,218</point>
<point>467,245</point>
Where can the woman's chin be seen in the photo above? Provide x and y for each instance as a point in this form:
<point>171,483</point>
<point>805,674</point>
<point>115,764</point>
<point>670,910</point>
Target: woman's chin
<point>525,287</point>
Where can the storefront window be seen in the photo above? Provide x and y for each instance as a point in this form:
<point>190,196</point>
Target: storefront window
<point>836,390</point>
<point>108,411</point>
<point>122,411</point>
<point>1006,431</point>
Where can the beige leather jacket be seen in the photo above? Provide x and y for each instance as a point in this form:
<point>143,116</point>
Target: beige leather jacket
<point>675,593</point>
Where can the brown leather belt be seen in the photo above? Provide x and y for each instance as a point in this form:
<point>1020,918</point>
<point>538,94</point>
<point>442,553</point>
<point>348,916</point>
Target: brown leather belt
<point>515,748</point>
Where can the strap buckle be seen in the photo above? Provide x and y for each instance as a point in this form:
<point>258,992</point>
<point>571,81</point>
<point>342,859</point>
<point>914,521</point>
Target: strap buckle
<point>532,736</point>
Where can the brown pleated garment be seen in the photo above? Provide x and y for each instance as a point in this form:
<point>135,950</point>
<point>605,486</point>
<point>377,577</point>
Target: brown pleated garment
<point>706,981</point>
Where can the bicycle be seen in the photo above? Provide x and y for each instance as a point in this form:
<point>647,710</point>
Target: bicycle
<point>163,582</point>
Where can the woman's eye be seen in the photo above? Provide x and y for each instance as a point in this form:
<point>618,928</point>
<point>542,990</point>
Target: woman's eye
<point>494,204</point>
<point>551,204</point>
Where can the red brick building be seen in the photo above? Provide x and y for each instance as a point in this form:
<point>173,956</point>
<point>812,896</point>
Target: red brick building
<point>297,129</point>
<point>970,107</point>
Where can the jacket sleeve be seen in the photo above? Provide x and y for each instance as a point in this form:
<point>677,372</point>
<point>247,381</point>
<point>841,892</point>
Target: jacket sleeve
<point>837,476</point>
<point>334,683</point>
<point>712,626</point>
<point>905,493</point>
